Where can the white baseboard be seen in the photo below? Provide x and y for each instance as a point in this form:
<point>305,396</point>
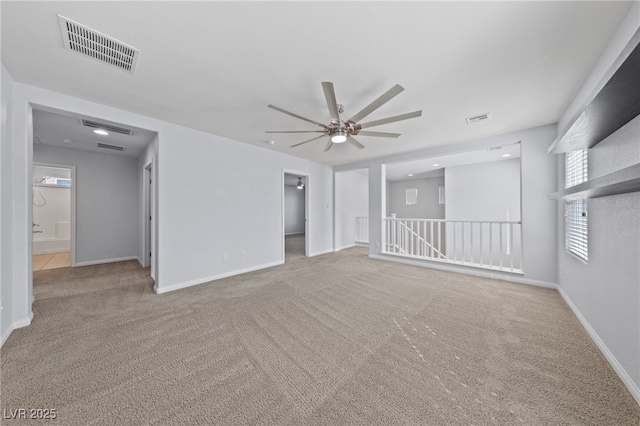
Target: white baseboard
<point>160,290</point>
<point>6,334</point>
<point>15,325</point>
<point>516,278</point>
<point>344,247</point>
<point>294,233</point>
<point>361,244</point>
<point>99,262</point>
<point>318,253</point>
<point>617,367</point>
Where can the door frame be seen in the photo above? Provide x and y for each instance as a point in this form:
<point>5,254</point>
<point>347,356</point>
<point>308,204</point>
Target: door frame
<point>307,210</point>
<point>148,220</point>
<point>72,216</point>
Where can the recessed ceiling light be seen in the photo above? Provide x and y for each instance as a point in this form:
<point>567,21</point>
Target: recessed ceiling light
<point>506,155</point>
<point>436,165</point>
<point>271,142</point>
<point>410,174</point>
<point>101,132</point>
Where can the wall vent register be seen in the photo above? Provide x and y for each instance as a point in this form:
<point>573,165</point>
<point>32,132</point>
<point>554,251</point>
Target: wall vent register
<point>109,146</point>
<point>87,42</point>
<point>108,127</point>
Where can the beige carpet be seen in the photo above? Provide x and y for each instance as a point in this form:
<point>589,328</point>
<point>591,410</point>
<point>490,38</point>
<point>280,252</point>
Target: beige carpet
<point>335,339</point>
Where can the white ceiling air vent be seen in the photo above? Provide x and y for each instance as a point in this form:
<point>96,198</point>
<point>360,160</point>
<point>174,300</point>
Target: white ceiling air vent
<point>85,41</point>
<point>478,118</point>
<point>109,146</point>
<point>107,127</point>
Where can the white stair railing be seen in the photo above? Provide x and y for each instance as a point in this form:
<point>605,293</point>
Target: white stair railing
<point>362,230</point>
<point>495,245</point>
<point>420,244</point>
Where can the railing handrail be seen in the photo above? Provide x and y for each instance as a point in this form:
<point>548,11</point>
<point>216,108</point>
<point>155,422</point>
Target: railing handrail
<point>421,239</point>
<point>453,220</point>
<point>495,245</point>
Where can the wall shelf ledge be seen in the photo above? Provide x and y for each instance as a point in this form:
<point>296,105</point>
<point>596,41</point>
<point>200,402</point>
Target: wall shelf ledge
<point>618,182</point>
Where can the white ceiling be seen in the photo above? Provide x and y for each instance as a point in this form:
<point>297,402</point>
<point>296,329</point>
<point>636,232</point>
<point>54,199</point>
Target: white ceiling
<point>67,131</point>
<point>434,166</point>
<point>215,66</point>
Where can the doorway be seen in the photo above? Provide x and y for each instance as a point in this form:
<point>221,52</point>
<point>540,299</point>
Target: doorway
<point>53,216</point>
<point>295,223</point>
<point>148,220</point>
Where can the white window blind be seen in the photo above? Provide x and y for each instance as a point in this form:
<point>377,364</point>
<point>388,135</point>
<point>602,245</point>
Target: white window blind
<point>576,223</point>
<point>575,168</point>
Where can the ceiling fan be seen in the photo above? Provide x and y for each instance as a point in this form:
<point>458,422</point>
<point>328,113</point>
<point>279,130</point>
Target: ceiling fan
<point>340,131</point>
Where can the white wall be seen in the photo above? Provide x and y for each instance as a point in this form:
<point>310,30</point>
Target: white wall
<point>484,191</point>
<point>352,200</point>
<point>106,202</point>
<point>488,192</point>
<point>538,213</point>
<point>207,187</point>
<point>222,186</point>
<point>293,210</point>
<point>6,208</point>
<point>605,293</point>
<point>428,206</point>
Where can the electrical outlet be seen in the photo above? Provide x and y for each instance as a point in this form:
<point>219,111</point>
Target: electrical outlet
<point>243,253</point>
<point>225,256</point>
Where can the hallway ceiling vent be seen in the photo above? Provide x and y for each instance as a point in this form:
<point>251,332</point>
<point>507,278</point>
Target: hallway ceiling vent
<point>109,146</point>
<point>478,118</point>
<point>88,42</point>
<point>107,127</point>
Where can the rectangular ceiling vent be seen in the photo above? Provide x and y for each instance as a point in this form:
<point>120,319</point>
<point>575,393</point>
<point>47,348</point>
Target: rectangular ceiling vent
<point>478,118</point>
<point>85,41</point>
<point>112,147</point>
<point>107,127</point>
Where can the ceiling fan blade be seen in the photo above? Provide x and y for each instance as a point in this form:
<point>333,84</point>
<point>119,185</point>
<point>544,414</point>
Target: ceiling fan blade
<point>383,99</point>
<point>296,115</point>
<point>354,142</point>
<point>378,134</point>
<point>294,131</point>
<point>390,119</point>
<point>330,96</point>
<point>307,141</point>
<point>329,145</point>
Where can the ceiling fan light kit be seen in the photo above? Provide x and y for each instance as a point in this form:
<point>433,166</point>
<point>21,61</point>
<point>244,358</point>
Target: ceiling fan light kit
<point>339,136</point>
<point>340,131</point>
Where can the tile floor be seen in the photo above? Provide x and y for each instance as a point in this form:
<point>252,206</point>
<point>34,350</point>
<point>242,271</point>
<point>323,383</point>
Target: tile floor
<point>51,261</point>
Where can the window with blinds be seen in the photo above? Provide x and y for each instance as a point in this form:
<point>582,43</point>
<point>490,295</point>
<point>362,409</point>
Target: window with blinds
<point>576,224</point>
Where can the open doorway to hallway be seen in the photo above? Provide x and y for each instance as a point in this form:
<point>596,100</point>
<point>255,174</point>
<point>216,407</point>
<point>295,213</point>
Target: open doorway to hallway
<point>295,196</point>
<point>105,223</point>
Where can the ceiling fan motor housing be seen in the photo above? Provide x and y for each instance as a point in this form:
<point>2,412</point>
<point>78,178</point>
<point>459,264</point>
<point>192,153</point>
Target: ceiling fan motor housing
<point>343,131</point>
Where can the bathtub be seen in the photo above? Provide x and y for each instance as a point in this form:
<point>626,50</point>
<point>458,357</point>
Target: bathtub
<point>59,242</point>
